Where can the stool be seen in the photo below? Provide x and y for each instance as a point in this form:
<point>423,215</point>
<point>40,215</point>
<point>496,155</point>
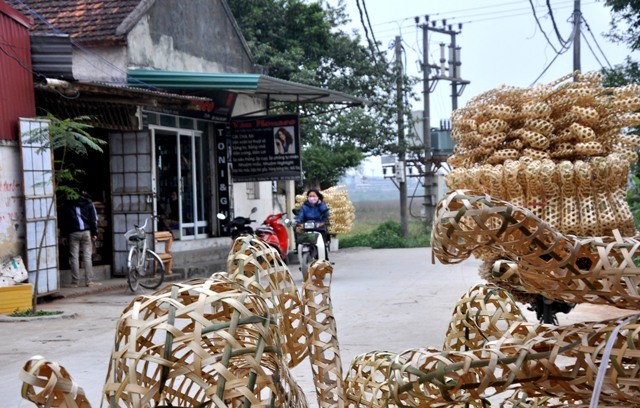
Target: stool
<point>167,258</point>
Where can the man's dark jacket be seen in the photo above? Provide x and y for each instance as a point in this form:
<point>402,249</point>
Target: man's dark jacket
<point>81,216</point>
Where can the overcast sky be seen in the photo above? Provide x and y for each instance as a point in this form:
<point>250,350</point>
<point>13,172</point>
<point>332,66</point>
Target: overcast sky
<point>500,39</point>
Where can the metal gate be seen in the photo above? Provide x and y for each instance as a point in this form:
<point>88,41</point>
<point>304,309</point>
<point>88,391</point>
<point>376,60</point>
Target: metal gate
<point>132,189</point>
<point>39,206</point>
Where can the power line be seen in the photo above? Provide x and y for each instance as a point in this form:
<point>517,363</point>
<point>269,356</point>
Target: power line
<point>366,13</point>
<point>519,14</point>
<point>495,15</point>
<point>555,26</point>
<point>567,45</point>
<point>471,9</point>
<point>545,70</point>
<point>584,37</point>
<point>511,13</point>
<point>366,31</point>
<point>596,41</point>
<point>544,33</point>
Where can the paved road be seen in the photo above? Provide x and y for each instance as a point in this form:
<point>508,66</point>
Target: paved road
<point>389,299</point>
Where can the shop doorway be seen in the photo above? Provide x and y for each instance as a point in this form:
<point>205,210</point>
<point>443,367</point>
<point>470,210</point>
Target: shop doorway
<point>179,177</point>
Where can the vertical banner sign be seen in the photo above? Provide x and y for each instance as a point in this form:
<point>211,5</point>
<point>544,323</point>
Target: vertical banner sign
<point>222,173</point>
<point>266,148</point>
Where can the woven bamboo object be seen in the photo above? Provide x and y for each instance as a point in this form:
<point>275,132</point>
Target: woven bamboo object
<point>341,209</point>
<point>572,118</point>
<point>226,341</point>
<point>598,270</point>
<point>47,384</point>
<point>585,198</point>
<point>540,364</point>
<point>324,348</point>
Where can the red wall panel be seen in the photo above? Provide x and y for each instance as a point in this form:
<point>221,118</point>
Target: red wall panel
<point>16,80</point>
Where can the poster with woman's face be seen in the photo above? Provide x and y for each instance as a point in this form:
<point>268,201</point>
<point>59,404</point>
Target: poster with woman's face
<point>283,140</point>
<point>266,148</point>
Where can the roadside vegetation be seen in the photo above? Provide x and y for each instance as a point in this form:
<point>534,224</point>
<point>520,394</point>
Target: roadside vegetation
<point>377,225</point>
<point>34,313</point>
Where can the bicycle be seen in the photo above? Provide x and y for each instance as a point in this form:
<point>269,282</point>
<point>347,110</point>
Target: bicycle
<point>148,270</point>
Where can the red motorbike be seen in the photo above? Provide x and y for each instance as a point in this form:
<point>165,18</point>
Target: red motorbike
<point>274,232</point>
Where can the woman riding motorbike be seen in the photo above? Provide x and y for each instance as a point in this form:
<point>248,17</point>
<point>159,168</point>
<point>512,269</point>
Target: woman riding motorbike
<point>314,209</point>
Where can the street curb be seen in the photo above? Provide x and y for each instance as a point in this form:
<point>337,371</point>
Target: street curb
<point>10,319</point>
<point>106,286</point>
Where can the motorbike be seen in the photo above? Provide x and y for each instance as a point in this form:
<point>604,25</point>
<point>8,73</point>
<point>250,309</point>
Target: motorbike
<point>310,246</point>
<point>274,232</point>
<point>239,225</point>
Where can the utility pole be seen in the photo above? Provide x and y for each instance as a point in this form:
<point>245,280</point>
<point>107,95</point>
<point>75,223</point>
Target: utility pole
<point>428,84</point>
<point>402,156</point>
<point>429,205</point>
<point>453,70</point>
<point>577,17</point>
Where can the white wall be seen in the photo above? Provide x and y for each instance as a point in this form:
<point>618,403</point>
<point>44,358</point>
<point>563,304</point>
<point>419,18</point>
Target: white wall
<point>101,64</point>
<point>11,204</point>
<point>243,205</point>
<point>162,55</point>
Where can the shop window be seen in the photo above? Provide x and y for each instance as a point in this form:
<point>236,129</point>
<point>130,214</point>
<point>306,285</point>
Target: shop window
<point>186,123</point>
<point>169,121</point>
<point>150,118</point>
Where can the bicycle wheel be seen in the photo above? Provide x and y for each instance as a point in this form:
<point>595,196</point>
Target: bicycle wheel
<point>152,274</point>
<point>132,264</point>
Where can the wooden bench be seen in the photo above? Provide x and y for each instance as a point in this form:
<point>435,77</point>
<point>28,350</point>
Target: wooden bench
<point>167,259</point>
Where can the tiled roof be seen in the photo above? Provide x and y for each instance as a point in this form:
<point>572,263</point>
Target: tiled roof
<point>86,21</point>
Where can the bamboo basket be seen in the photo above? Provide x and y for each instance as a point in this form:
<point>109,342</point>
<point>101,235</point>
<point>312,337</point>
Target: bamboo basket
<point>226,341</point>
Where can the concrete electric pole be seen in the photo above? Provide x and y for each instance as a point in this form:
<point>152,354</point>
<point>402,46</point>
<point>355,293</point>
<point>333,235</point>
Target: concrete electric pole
<point>402,154</point>
<point>428,84</point>
<point>577,17</point>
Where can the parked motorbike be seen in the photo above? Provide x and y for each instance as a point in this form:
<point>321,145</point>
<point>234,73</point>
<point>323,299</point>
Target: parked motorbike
<point>274,232</point>
<point>239,225</point>
<point>310,245</point>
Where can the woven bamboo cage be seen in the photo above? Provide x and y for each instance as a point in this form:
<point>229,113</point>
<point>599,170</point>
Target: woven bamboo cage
<point>543,361</point>
<point>341,209</point>
<point>599,270</point>
<point>226,341</point>
<point>490,349</point>
<point>47,384</point>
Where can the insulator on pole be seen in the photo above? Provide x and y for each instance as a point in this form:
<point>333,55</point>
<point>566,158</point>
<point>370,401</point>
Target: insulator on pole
<point>443,60</point>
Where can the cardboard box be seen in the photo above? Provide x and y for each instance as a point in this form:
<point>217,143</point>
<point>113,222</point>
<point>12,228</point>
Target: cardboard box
<point>15,297</point>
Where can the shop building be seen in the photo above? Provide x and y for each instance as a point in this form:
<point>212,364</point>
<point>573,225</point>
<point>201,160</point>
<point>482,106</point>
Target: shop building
<point>162,92</point>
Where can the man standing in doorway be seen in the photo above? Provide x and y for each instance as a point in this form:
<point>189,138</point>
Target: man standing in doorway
<point>83,232</point>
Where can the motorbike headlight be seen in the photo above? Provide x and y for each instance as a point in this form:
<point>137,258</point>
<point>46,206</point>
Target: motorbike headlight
<point>309,225</point>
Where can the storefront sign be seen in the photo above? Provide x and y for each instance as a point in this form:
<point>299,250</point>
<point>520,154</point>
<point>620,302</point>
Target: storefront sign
<point>266,148</point>
<point>222,173</point>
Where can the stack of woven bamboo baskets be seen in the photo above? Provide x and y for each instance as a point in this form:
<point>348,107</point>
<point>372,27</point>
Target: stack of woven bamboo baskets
<point>559,150</point>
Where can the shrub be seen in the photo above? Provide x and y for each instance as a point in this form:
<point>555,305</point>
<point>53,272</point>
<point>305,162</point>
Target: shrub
<point>386,235</point>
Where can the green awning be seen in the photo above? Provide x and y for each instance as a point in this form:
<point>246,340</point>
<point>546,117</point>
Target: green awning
<point>257,85</point>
